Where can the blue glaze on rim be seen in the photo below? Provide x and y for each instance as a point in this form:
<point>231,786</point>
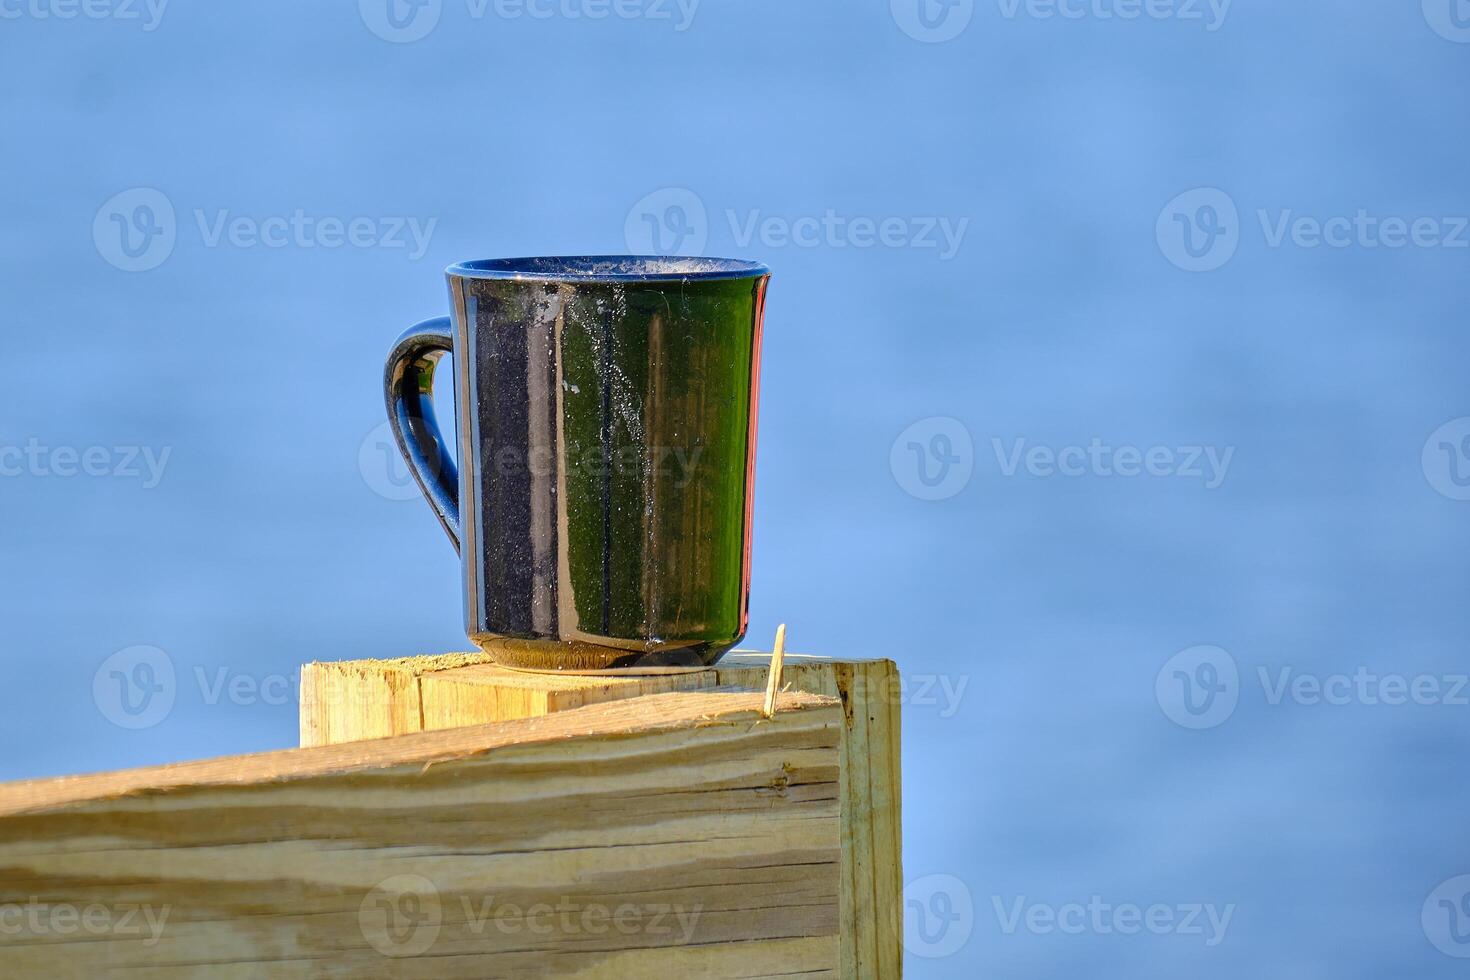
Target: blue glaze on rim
<point>609,268</point>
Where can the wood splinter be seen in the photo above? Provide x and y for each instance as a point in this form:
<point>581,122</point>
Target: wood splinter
<point>773,679</point>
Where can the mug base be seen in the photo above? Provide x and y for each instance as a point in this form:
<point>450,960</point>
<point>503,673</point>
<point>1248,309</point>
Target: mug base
<point>580,657</point>
<point>635,671</point>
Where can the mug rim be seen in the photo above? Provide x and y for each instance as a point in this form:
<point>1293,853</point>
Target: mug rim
<point>609,268</point>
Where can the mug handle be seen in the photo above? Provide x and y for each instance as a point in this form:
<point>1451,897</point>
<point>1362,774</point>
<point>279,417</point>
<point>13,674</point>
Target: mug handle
<point>408,388</point>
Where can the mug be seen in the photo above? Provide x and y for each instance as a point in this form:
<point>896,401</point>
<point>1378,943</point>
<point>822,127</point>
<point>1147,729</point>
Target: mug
<point>606,424</point>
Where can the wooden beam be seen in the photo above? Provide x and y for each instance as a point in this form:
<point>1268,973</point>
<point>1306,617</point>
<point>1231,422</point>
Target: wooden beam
<point>365,698</point>
<point>672,835</point>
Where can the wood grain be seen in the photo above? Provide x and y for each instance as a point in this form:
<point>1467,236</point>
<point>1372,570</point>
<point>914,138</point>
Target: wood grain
<point>364,698</point>
<point>672,835</point>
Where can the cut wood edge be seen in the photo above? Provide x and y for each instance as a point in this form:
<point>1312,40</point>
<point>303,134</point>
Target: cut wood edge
<point>351,700</point>
<point>421,665</point>
<point>773,678</point>
<point>607,720</point>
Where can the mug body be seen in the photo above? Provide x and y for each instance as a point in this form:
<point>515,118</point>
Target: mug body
<point>606,410</point>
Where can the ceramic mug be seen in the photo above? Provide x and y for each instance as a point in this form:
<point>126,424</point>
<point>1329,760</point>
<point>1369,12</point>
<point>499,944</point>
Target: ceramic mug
<point>606,429</point>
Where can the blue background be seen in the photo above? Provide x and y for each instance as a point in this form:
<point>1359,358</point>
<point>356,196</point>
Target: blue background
<point>1064,316</point>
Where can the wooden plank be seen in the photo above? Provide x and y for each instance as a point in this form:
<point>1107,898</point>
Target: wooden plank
<point>359,699</point>
<point>670,835</point>
<point>362,698</point>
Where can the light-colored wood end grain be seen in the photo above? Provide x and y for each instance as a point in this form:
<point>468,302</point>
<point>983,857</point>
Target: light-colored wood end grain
<point>347,700</point>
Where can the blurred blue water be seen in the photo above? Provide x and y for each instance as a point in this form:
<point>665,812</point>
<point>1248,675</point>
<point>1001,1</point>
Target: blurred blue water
<point>1048,604</point>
